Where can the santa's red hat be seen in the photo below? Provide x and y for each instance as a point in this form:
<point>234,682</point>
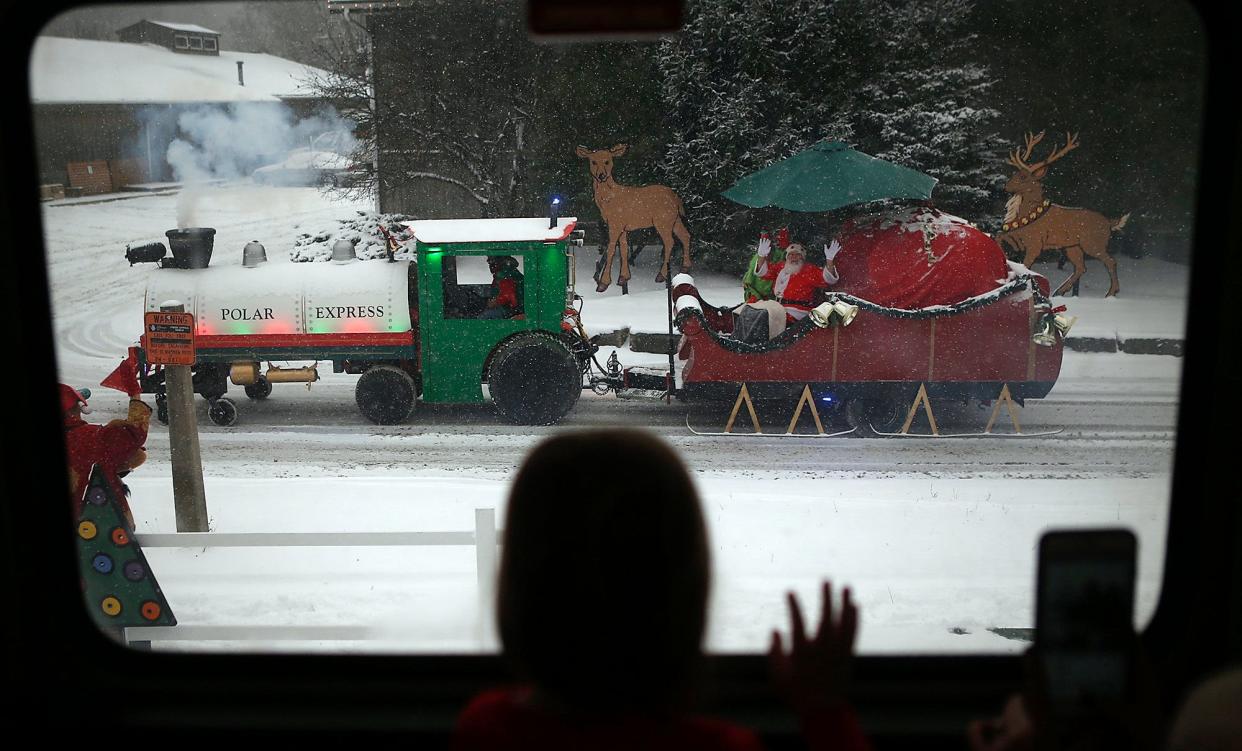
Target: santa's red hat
<point>70,398</point>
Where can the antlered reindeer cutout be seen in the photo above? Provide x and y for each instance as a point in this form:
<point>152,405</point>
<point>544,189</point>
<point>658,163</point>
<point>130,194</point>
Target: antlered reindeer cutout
<point>1033,224</point>
<point>625,208</point>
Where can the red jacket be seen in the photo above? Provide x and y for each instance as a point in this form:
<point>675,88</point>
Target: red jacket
<point>507,293</point>
<point>505,719</point>
<point>115,447</point>
<point>799,291</point>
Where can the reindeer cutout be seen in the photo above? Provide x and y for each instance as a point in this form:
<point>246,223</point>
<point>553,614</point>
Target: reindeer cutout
<point>1034,225</point>
<point>625,208</point>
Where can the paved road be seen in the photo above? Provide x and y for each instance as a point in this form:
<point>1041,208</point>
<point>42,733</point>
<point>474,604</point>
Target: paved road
<point>320,431</point>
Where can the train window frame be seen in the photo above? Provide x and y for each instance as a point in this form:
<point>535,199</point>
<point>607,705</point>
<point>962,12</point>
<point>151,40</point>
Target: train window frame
<point>310,694</point>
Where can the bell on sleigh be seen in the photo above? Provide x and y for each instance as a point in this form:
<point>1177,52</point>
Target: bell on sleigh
<point>1045,336</point>
<point>845,311</point>
<point>821,315</point>
<point>1063,323</point>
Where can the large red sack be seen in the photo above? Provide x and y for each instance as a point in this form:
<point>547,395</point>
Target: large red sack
<point>916,258</point>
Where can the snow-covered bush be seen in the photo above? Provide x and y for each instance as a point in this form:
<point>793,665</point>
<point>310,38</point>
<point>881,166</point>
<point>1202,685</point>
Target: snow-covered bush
<point>362,230</point>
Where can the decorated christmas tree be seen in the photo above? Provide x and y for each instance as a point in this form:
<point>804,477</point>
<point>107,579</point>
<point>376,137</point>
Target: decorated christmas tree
<point>119,587</point>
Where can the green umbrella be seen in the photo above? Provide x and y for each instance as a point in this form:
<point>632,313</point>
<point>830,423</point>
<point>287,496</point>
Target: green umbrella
<point>827,176</point>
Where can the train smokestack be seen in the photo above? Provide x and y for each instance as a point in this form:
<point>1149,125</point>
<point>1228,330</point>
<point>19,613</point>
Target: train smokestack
<point>191,246</point>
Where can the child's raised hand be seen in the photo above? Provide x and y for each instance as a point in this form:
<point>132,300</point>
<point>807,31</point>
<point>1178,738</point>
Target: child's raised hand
<point>816,670</point>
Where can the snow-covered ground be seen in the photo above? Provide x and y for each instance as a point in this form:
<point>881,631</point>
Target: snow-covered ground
<point>938,536</point>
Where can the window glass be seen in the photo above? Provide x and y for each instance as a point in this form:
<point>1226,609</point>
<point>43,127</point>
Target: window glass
<point>980,338</point>
<point>483,287</point>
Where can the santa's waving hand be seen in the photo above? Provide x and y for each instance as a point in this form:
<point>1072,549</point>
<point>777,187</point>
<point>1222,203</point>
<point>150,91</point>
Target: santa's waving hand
<point>830,264</point>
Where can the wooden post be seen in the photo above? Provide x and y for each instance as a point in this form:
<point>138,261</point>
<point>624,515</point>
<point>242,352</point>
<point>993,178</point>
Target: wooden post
<point>1030,340</point>
<point>836,347</point>
<point>810,400</point>
<point>672,369</point>
<point>485,561</point>
<point>189,496</point>
<point>743,396</point>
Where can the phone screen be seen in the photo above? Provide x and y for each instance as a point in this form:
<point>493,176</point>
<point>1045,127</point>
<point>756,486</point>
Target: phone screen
<point>1084,620</point>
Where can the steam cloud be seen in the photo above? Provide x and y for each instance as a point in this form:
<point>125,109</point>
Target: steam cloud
<point>230,141</point>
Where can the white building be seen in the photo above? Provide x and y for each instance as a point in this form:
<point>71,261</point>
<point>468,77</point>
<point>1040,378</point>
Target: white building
<point>112,106</point>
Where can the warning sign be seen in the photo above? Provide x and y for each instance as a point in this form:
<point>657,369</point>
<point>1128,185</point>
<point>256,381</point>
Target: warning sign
<point>169,338</point>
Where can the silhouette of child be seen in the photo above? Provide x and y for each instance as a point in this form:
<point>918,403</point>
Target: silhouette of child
<point>601,608</point>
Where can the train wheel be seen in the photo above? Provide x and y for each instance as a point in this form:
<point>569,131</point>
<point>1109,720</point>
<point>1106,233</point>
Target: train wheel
<point>260,389</point>
<point>870,417</point>
<point>222,412</point>
<point>385,395</point>
<point>534,379</point>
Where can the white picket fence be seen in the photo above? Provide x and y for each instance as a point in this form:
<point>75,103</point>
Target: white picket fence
<point>485,539</point>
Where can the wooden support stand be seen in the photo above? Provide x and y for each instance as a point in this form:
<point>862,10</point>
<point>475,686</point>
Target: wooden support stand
<point>809,400</point>
<point>921,398</point>
<point>1007,399</point>
<point>743,396</point>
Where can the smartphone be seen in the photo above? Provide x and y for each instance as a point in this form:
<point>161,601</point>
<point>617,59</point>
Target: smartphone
<point>1084,617</point>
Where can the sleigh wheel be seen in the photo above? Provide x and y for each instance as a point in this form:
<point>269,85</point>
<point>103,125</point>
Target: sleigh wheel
<point>260,389</point>
<point>534,379</point>
<point>222,412</point>
<point>872,416</point>
<point>385,395</point>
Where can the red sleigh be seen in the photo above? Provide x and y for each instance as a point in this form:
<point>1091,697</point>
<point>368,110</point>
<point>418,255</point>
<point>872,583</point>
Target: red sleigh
<point>873,366</point>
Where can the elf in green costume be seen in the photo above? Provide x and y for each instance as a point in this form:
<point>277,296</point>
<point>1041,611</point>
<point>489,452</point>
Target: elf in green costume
<point>754,286</point>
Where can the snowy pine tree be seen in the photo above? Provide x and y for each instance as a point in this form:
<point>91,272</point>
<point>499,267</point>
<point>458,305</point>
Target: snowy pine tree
<point>928,111</point>
<point>750,82</point>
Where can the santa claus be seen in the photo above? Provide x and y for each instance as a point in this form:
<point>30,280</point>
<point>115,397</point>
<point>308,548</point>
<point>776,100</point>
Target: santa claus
<point>794,281</point>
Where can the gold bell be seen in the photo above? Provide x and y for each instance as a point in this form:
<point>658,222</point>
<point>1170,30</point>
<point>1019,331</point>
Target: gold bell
<point>821,315</point>
<point>1063,323</point>
<point>845,310</point>
<point>1044,337</point>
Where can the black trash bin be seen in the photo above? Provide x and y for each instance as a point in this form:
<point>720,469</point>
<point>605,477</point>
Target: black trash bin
<point>191,246</point>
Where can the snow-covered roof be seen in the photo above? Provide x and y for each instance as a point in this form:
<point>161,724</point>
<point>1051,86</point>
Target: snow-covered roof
<point>184,27</point>
<point>490,230</point>
<point>64,71</point>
